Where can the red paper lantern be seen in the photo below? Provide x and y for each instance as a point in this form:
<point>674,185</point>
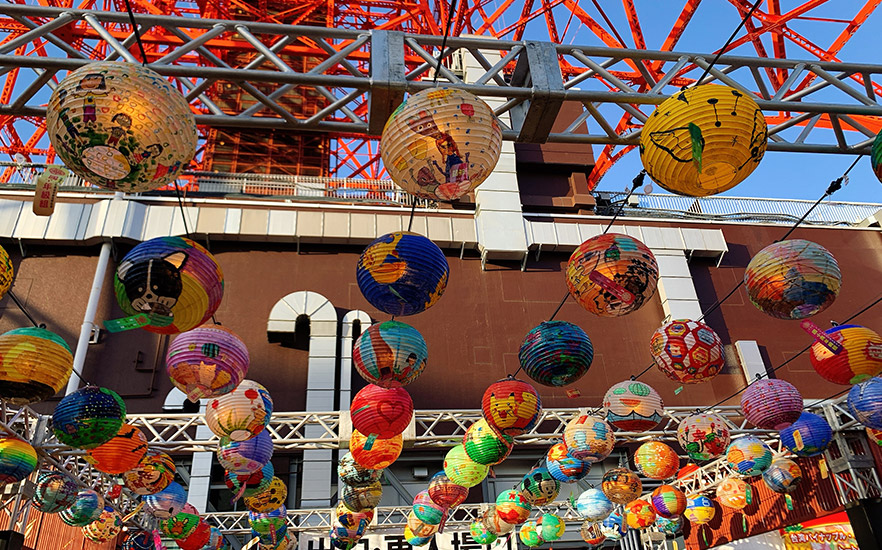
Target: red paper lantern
<point>445,492</point>
<point>380,411</point>
<point>511,406</point>
<point>686,351</point>
<point>859,360</point>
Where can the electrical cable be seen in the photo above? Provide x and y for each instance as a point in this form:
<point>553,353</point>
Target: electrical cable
<point>729,41</point>
<point>137,33</point>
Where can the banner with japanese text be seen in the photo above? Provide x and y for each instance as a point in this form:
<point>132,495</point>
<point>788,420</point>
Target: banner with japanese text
<point>832,532</point>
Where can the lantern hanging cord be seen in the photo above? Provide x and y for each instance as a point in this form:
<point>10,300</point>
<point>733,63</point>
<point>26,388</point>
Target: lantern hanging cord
<point>450,15</point>
<point>137,33</point>
<point>412,211</point>
<point>181,206</point>
<point>726,45</point>
<point>23,309</point>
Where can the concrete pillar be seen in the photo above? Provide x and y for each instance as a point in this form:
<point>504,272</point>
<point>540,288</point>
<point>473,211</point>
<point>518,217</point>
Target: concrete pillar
<point>347,340</point>
<point>675,286</point>
<point>200,471</point>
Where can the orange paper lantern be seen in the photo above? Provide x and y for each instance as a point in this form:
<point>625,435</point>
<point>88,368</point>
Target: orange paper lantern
<point>377,454</point>
<point>122,453</point>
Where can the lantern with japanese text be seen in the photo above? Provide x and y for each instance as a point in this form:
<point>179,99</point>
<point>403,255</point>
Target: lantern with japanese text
<point>274,495</point>
<point>749,456</point>
<point>105,527</point>
<point>783,476</point>
<point>208,361</point>
<point>166,503</point>
<point>589,438</point>
<point>34,365</point>
<point>529,535</point>
<point>633,406</point>
<point>865,402</point>
<point>390,354</point>
<point>734,493</point>
<point>556,353</point>
<point>563,466</point>
<point>85,509</point>
<point>250,484</point>
<point>182,524</point>
<point>352,473</point>
<point>656,460</point>
<point>513,507</point>
<point>17,460</point>
<point>54,492</point>
<point>88,417</point>
<point>771,403</point>
<point>639,514</point>
<point>241,414</point>
<point>808,436</point>
<point>699,510</point>
<point>591,533</point>
<point>121,453</point>
<point>443,491</point>
<point>152,474</point>
<point>426,510</point>
<point>375,454</point>
<point>593,505</point>
<point>686,351</point>
<point>621,485</point>
<point>461,469</point>
<point>703,435</point>
<point>381,412</point>
<point>511,406</point>
<point>484,445</point>
<point>668,501</point>
<point>481,534</point>
<point>859,359</point>
<point>539,487</point>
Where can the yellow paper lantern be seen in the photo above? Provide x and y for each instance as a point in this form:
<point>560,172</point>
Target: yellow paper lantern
<point>735,493</point>
<point>121,126</point>
<point>270,498</point>
<point>34,365</point>
<point>376,454</point>
<point>461,469</point>
<point>6,272</point>
<point>703,140</point>
<point>441,143</point>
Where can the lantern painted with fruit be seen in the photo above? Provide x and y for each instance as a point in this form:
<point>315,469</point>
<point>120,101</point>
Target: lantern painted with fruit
<point>633,406</point>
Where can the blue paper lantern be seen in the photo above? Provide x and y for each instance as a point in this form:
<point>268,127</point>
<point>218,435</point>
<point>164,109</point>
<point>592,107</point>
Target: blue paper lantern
<point>138,540</point>
<point>556,353</point>
<point>563,466</point>
<point>245,457</point>
<point>783,476</point>
<point>614,526</point>
<point>88,417</point>
<point>865,403</point>
<point>54,493</point>
<point>808,436</point>
<point>669,526</point>
<point>402,273</point>
<point>593,505</point>
<point>86,509</point>
<point>749,456</point>
<point>166,503</point>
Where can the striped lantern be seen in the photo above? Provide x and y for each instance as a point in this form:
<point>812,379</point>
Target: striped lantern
<point>390,354</point>
<point>865,403</point>
<point>198,539</point>
<point>591,533</point>
<point>639,514</point>
<point>563,466</point>
<point>735,493</point>
<point>792,279</point>
<point>633,406</point>
<point>376,455</point>
<point>176,282</point>
<point>481,534</point>
<point>182,524</point>
<point>656,460</point>
<point>241,414</point>
<point>86,509</point>
<point>783,476</point>
<point>771,403</point>
<point>414,540</point>
<point>749,456</point>
<point>686,471</point>
<point>461,469</point>
<point>859,360</point>
<point>445,492</point>
<point>381,412</point>
<point>511,406</point>
<point>245,457</point>
<point>494,523</point>
<point>612,274</point>
<point>208,361</point>
<point>271,526</point>
<point>152,474</point>
<point>686,351</point>
<point>359,499</point>
<point>551,527</point>
<point>529,535</point>
<point>703,436</point>
<point>165,503</point>
<point>121,453</point>
<point>105,527</point>
<point>275,494</point>
<point>614,526</point>
<point>7,273</point>
<point>513,507</point>
<point>54,492</point>
<point>593,505</point>
<point>353,520</point>
<point>483,445</point>
<point>138,540</point>
<point>668,501</point>
<point>589,438</point>
<point>420,528</point>
<point>402,273</point>
<point>34,365</point>
<point>699,510</point>
<point>556,353</point>
<point>621,485</point>
<point>17,460</point>
<point>808,436</point>
<point>351,473</point>
<point>88,417</point>
<point>425,509</point>
<point>250,484</point>
<point>539,487</point>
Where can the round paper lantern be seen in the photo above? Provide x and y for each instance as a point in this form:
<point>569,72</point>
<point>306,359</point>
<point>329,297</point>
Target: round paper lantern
<point>859,360</point>
<point>669,526</point>
<point>699,510</point>
<point>377,456</point>
<point>551,527</point>
<point>414,540</point>
<point>556,353</point>
<point>138,540</point>
<point>688,352</point>
<point>361,498</point>
<point>402,273</point>
<point>511,406</point>
<point>771,403</point>
<point>86,508</point>
<point>275,495</point>
<point>749,456</point>
<point>494,523</point>
<point>445,492</point>
<point>703,140</point>
<point>563,466</point>
<point>420,528</point>
<point>633,406</point>
<point>381,412</point>
<point>589,438</point>
<point>461,469</point>
<point>591,533</point>
<point>17,460</point>
<point>6,272</point>
<point>216,540</point>
<point>792,279</point>
<point>539,487</point>
<point>152,474</point>
<point>251,484</point>
<point>166,503</point>
<point>808,436</point>
<point>351,473</point>
<point>105,528</point>
<point>269,526</point>
<point>121,126</point>
<point>612,274</point>
<point>865,403</point>
<point>687,470</point>
<point>513,507</point>
<point>182,524</point>
<point>198,539</point>
<point>593,505</point>
<point>208,361</point>
<point>483,445</point>
<point>353,520</point>
<point>621,485</point>
<point>441,143</point>
<point>245,457</point>
<point>529,535</point>
<point>734,493</point>
<point>88,417</point>
<point>875,436</point>
<point>34,365</point>
<point>121,453</point>
<point>425,509</point>
<point>656,460</point>
<point>876,156</point>
<point>176,282</point>
<point>344,538</point>
<point>54,492</point>
<point>783,476</point>
<point>614,527</point>
<point>481,534</point>
<point>639,514</point>
<point>703,436</point>
<point>668,501</point>
<point>390,354</point>
<point>240,414</point>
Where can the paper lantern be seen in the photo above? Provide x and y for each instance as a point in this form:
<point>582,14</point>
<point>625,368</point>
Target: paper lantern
<point>121,453</point>
<point>351,473</point>
<point>165,503</point>
<point>556,353</point>
<point>589,438</point>
<point>686,471</point>
<point>808,436</point>
<point>441,143</point>
<point>668,501</point>
<point>865,403</point>
<point>270,498</point>
<point>6,272</point>
<point>85,509</point>
<point>420,528</point>
<point>121,126</point>
<point>248,485</point>
<point>381,412</point>
<point>377,456</point>
<point>353,520</point>
<point>484,445</point>
<point>390,354</point>
<point>633,406</point>
<point>88,417</point>
<point>538,487</point>
<point>208,361</point>
<point>591,533</point>
<point>876,156</point>
<point>17,460</point>
<point>563,466</point>
<point>621,485</point>
<point>859,359</point>
<point>481,534</point>
<point>513,507</point>
<point>344,538</point>
<point>198,539</point>
<point>874,436</point>
<point>639,514</point>
<point>414,540</point>
<point>686,351</point>
<point>138,540</point>
<point>174,281</point>
<point>749,456</point>
<point>269,526</point>
<point>735,493</point>
<point>792,279</point>
<point>669,526</point>
<point>771,403</point>
<point>494,523</point>
<point>529,535</point>
<point>34,365</point>
<point>425,509</point>
<point>511,406</point>
<point>550,527</point>
<point>152,474</point>
<point>245,457</point>
<point>703,436</point>
<point>105,528</point>
<point>402,273</point>
<point>656,460</point>
<point>614,527</point>
<point>358,499</point>
<point>612,274</point>
<point>699,510</point>
<point>445,492</point>
<point>240,414</point>
<point>182,524</point>
<point>54,492</point>
<point>461,469</point>
<point>593,505</point>
<point>216,540</point>
<point>783,476</point>
<point>703,140</point>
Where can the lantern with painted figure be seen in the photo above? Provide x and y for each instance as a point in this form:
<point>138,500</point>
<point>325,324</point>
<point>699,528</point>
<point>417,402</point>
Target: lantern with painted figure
<point>614,526</point>
<point>390,354</point>
<point>207,362</point>
<point>182,524</point>
<point>105,527</point>
<point>621,485</point>
<point>539,487</point>
<point>589,438</point>
<point>241,414</point>
<point>270,498</point>
<point>152,474</point>
<point>734,493</point>
<point>511,406</point>
<point>591,533</point>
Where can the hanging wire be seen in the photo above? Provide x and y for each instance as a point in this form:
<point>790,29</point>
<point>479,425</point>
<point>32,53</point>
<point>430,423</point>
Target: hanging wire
<point>24,310</point>
<point>137,33</point>
<point>412,210</point>
<point>450,15</point>
<point>729,41</point>
<point>181,206</point>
